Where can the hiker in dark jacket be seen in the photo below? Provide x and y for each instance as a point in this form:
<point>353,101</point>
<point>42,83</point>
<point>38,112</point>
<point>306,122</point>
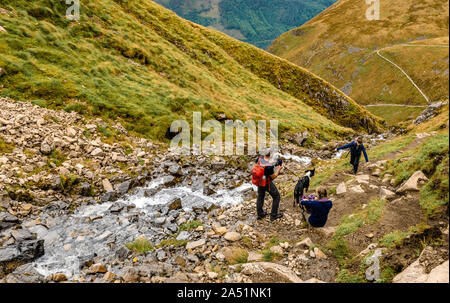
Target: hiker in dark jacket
<point>356,148</point>
<point>271,173</point>
<point>319,208</point>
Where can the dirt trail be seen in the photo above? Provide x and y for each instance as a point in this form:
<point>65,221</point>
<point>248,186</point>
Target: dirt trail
<point>399,214</point>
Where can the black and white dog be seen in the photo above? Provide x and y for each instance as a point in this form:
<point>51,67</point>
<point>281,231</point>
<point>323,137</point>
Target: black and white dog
<point>303,185</point>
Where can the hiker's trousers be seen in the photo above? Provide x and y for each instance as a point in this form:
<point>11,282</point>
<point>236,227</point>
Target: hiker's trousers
<point>273,192</point>
<point>354,160</point>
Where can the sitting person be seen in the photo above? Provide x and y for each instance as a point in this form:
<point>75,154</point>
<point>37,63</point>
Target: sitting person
<point>319,209</point>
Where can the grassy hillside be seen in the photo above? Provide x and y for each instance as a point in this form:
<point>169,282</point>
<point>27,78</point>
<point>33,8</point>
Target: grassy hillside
<point>138,63</point>
<point>340,45</point>
<point>255,22</point>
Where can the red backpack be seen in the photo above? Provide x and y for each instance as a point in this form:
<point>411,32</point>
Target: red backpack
<point>258,177</point>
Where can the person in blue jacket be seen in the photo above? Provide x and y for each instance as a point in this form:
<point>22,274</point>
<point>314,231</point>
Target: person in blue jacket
<point>319,209</point>
<point>356,148</point>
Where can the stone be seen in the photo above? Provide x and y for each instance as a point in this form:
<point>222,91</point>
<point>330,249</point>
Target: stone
<point>7,220</point>
<point>175,204</point>
<point>277,250</point>
<point>160,220</point>
<point>195,244</point>
<point>97,152</point>
<point>212,275</point>
<point>71,132</point>
<point>232,236</point>
<point>281,271</point>
<point>2,29</point>
<point>45,148</point>
<point>59,277</point>
<point>416,273</point>
<point>109,277</point>
<point>306,243</point>
<point>297,222</point>
<point>319,254</point>
<point>107,185</point>
<point>129,274</point>
<point>413,182</point>
<point>363,179</point>
<point>123,187</point>
<point>180,261</point>
<point>386,194</point>
<point>97,268</point>
<point>341,189</point>
<point>184,235</point>
<point>221,231</point>
<point>357,189</point>
<point>21,234</point>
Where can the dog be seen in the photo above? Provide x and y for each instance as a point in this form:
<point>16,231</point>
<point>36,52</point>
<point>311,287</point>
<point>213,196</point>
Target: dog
<point>303,185</point>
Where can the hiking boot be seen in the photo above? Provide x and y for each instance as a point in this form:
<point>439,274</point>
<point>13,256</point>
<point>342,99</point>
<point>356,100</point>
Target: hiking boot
<point>262,216</point>
<point>277,216</point>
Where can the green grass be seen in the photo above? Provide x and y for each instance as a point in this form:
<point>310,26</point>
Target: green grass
<point>394,114</point>
<point>172,242</point>
<point>56,157</point>
<point>339,45</point>
<point>5,148</point>
<point>140,245</point>
<point>138,64</point>
<point>238,256</point>
<point>190,225</point>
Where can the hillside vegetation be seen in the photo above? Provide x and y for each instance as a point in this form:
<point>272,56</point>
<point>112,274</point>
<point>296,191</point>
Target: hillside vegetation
<point>139,64</point>
<point>255,22</point>
<point>341,46</point>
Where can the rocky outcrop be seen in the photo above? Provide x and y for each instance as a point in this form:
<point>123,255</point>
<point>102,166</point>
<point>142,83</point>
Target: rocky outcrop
<point>413,183</point>
<point>431,111</point>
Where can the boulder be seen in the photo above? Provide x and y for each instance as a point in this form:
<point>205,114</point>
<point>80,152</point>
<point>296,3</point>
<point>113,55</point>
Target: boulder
<point>341,189</point>
<point>7,220</point>
<point>232,236</point>
<point>386,194</point>
<point>21,253</point>
<point>413,182</point>
<point>319,254</point>
<point>195,244</point>
<point>107,185</point>
<point>306,243</point>
<point>363,179</point>
<point>263,268</point>
<point>357,189</point>
<point>416,273</point>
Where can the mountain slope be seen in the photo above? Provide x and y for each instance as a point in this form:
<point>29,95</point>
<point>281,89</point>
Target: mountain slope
<point>341,46</point>
<point>255,22</point>
<point>138,63</point>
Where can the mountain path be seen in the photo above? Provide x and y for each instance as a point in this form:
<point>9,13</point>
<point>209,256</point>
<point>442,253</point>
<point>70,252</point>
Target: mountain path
<point>402,70</point>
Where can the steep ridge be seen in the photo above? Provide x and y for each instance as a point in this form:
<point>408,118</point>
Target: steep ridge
<point>139,63</point>
<point>341,46</point>
<point>255,22</point>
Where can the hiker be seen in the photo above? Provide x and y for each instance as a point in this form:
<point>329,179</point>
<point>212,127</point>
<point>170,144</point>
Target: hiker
<point>263,174</point>
<point>356,147</point>
<point>319,209</point>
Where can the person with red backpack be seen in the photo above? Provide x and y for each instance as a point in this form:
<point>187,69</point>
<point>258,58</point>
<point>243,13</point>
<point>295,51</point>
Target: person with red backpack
<point>263,173</point>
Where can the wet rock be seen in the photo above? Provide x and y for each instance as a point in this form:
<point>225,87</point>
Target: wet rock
<point>59,277</point>
<point>25,274</point>
<point>97,268</point>
<point>23,252</point>
<point>7,220</point>
<point>21,235</point>
<point>123,187</point>
<point>175,204</point>
<point>110,196</point>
